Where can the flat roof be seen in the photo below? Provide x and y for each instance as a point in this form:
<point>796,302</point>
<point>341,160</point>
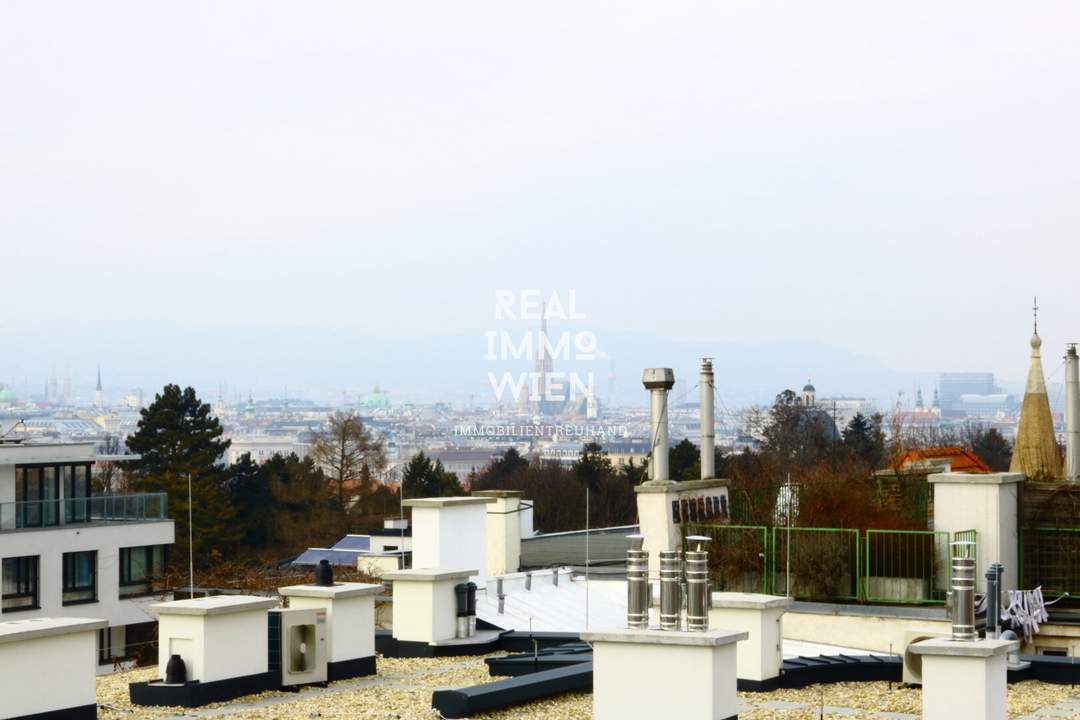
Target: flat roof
<point>16,630</point>
<point>447,502</point>
<point>213,605</point>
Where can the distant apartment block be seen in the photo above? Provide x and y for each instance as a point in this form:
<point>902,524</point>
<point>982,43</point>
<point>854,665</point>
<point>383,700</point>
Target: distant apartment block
<point>953,386</point>
<point>68,552</point>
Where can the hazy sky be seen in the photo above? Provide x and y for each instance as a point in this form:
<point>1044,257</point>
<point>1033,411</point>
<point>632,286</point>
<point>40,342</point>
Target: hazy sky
<point>897,179</point>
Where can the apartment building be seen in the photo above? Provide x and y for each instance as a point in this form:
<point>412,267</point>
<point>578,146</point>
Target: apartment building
<point>66,551</point>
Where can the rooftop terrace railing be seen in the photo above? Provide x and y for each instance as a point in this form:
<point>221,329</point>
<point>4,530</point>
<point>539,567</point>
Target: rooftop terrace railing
<point>898,567</point>
<point>126,507</point>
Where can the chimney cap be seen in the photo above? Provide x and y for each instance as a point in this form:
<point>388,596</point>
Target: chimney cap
<point>658,378</point>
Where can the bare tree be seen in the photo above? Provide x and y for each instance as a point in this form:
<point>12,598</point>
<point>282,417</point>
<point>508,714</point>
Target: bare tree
<point>350,457</point>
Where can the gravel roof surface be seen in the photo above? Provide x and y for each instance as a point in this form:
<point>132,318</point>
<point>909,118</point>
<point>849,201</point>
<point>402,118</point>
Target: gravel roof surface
<point>402,690</point>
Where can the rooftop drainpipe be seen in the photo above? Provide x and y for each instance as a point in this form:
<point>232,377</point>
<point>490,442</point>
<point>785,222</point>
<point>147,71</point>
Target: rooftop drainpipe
<point>1072,415</point>
<point>658,381</point>
<point>708,421</point>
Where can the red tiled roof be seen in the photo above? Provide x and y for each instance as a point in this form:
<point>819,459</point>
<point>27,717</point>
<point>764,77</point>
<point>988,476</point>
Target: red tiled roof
<point>960,460</point>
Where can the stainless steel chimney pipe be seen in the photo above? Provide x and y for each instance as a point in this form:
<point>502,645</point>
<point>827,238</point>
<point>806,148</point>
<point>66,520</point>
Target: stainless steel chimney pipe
<point>670,591</point>
<point>697,583</point>
<point>1072,414</point>
<point>708,420</point>
<point>637,584</point>
<point>962,610</point>
<point>658,381</point>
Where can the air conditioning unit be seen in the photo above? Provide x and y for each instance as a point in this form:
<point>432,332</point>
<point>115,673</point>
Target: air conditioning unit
<point>912,672</point>
<point>297,645</point>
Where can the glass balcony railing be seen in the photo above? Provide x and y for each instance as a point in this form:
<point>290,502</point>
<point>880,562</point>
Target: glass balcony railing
<point>127,507</point>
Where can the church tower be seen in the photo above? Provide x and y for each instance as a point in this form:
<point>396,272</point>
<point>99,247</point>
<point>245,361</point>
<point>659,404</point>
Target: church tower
<point>1036,451</point>
<point>809,394</point>
<point>99,394</point>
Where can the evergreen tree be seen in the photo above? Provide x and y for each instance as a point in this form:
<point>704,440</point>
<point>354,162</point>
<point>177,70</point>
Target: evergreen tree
<point>864,439</point>
<point>992,448</point>
<point>250,493</point>
<point>424,478</point>
<point>178,440</point>
<point>592,467</point>
<point>684,461</point>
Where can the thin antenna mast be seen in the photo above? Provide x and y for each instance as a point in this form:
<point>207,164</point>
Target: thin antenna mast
<point>190,545</point>
<point>586,557</point>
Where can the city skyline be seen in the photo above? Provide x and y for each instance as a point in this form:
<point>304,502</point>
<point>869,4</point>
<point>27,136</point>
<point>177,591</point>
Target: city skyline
<point>900,192</point>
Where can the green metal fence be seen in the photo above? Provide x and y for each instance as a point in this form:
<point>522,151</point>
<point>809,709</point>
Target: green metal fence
<point>1050,557</point>
<point>816,563</point>
<point>966,536</point>
<point>906,566</point>
<point>738,556</point>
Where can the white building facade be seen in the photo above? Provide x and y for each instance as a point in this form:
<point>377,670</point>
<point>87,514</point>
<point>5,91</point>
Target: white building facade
<point>67,552</point>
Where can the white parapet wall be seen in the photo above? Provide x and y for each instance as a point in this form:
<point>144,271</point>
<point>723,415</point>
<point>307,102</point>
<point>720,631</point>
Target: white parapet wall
<point>450,533</point>
<point>964,680</point>
<point>648,674</point>
<point>219,638</point>
<point>350,616</point>
<point>986,503</point>
<point>49,666</point>
<point>503,531</point>
<point>425,606</point>
<point>866,628</point>
<point>761,618</point>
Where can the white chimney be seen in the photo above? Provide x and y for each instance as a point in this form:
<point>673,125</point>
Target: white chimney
<point>708,421</point>
<point>658,381</point>
<point>1072,415</point>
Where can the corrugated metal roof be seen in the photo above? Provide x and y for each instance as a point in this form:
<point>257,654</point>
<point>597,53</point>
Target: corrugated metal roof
<point>606,545</point>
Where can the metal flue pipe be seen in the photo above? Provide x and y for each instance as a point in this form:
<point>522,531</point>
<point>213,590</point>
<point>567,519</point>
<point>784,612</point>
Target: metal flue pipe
<point>708,421</point>
<point>461,593</point>
<point>1072,415</point>
<point>993,599</point>
<point>637,583</point>
<point>697,583</point>
<point>962,602</point>
<point>670,589</point>
<point>658,381</point>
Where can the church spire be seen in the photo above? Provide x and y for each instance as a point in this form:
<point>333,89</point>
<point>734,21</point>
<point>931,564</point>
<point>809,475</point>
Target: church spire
<point>1036,451</point>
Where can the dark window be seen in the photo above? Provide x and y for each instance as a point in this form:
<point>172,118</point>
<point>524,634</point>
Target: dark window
<point>37,494</point>
<point>104,646</point>
<point>139,566</point>
<point>76,492</point>
<point>80,577</point>
<point>20,583</point>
